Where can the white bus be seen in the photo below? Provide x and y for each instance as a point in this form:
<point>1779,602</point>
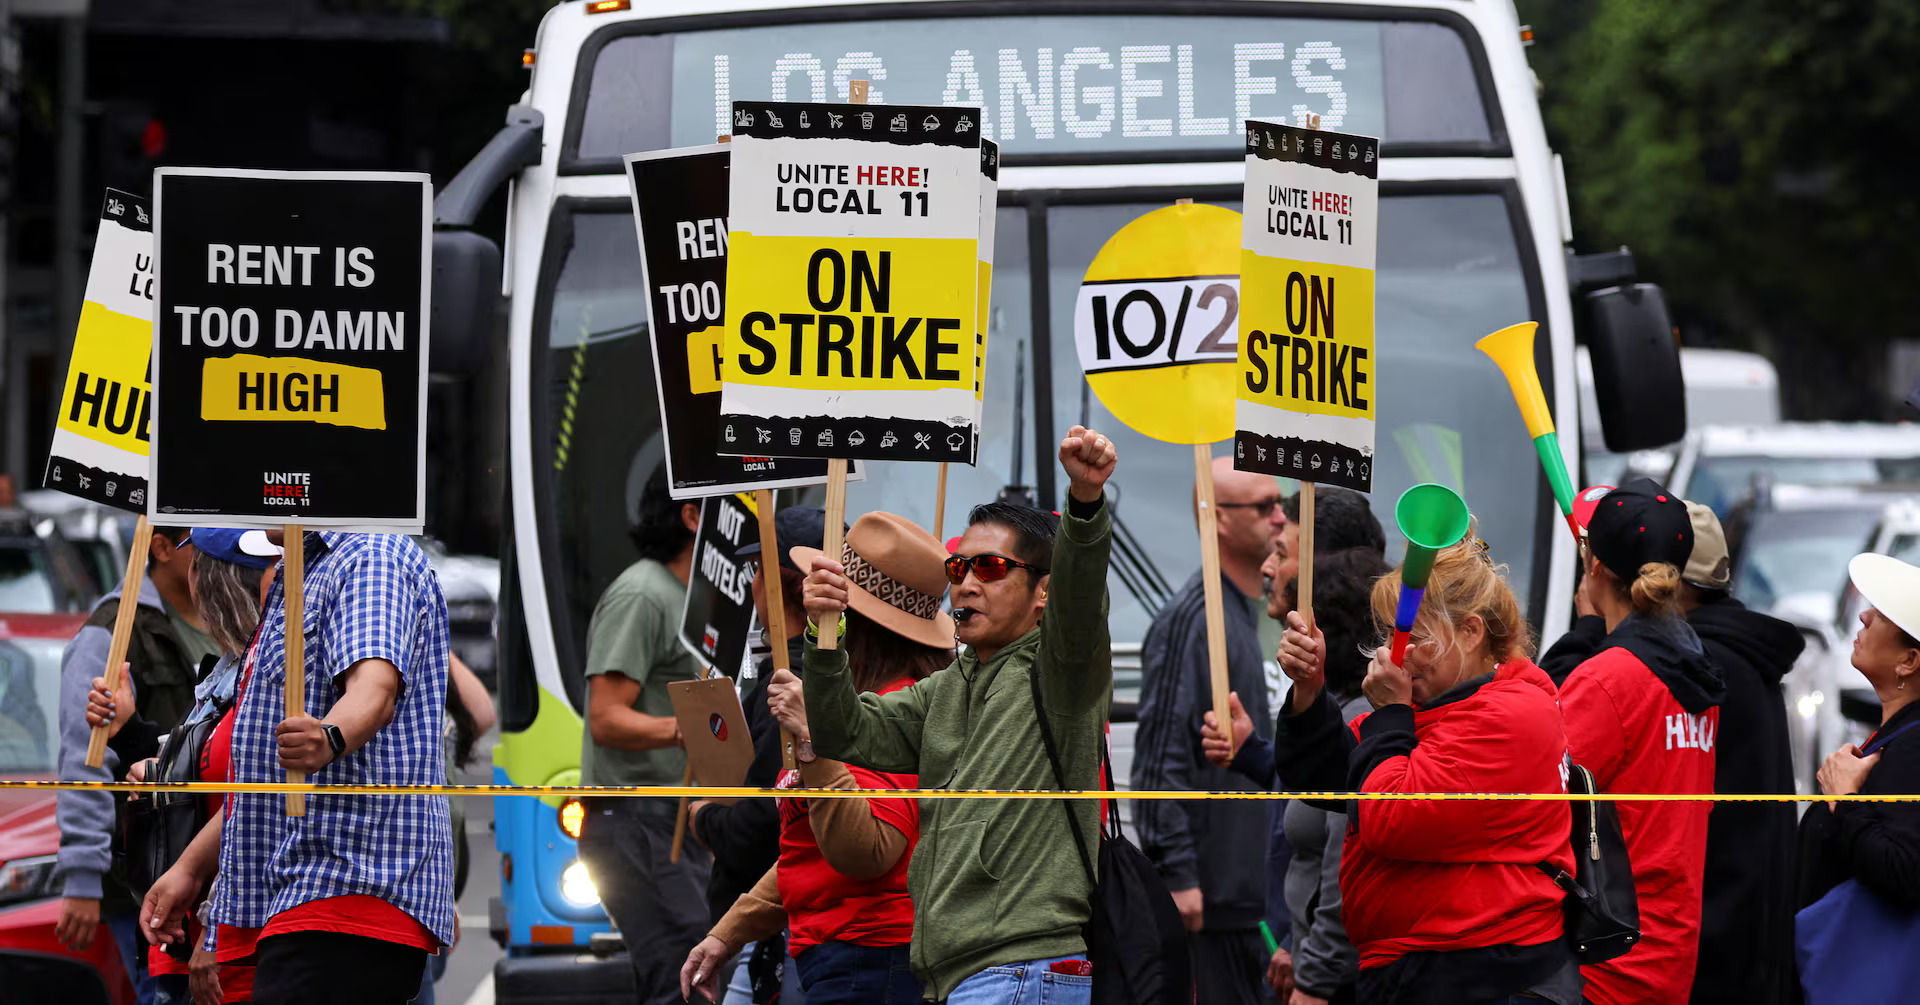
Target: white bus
<point>1104,109</point>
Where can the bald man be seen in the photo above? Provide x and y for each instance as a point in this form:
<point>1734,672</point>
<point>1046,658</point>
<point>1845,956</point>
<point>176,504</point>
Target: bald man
<point>1212,854</point>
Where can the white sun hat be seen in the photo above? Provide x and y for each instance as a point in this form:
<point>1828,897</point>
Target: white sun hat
<point>1891,586</point>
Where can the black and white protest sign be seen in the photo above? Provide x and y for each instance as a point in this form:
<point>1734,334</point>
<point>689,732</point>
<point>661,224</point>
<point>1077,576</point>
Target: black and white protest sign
<point>99,449</point>
<point>291,338</point>
<point>852,265</point>
<point>719,611</point>
<point>680,214</point>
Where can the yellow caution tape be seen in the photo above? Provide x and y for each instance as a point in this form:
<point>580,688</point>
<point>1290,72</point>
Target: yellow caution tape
<point>748,792</point>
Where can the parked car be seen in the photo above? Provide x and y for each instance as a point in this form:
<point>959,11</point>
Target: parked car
<point>1724,387</point>
<point>101,534</point>
<point>40,571</point>
<point>1790,551</point>
<point>471,584</point>
<point>34,967</point>
<point>1719,466</point>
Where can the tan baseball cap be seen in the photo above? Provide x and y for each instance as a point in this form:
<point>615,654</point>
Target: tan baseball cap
<point>1708,567</point>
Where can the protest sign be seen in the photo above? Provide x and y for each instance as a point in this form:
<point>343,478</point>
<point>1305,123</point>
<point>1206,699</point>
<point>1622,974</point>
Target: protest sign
<point>1155,323</point>
<point>1307,389</point>
<point>291,342</point>
<point>99,450</point>
<point>851,268</point>
<point>680,217</point>
<point>719,610</point>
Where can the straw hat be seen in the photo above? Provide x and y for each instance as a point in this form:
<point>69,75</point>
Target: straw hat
<point>1891,586</point>
<point>896,576</point>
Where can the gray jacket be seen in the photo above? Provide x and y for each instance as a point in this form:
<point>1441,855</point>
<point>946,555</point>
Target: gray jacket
<point>1215,845</point>
<point>87,819</point>
<point>1324,960</point>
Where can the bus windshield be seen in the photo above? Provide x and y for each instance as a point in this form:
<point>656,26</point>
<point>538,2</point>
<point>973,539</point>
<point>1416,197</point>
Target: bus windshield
<point>1083,86</point>
<point>1450,270</point>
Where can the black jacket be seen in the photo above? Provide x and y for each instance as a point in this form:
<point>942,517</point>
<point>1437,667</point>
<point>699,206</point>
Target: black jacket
<point>1746,922</point>
<point>745,836</point>
<point>1875,843</point>
<point>1218,846</point>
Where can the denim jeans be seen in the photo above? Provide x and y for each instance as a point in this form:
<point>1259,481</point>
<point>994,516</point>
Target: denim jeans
<point>841,973</point>
<point>1030,983</point>
<point>739,990</point>
<point>147,989</point>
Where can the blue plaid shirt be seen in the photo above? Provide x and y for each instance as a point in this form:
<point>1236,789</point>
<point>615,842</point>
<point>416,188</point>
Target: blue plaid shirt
<point>368,596</point>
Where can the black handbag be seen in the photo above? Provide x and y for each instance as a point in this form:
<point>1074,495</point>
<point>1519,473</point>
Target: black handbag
<point>161,825</point>
<point>1603,910</point>
<point>1135,938</point>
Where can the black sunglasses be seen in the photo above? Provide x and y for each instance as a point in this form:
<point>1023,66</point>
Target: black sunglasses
<point>1263,507</point>
<point>989,568</point>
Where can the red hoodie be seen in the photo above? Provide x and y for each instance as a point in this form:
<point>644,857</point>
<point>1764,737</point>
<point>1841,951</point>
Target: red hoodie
<point>1624,725</point>
<point>1446,875</point>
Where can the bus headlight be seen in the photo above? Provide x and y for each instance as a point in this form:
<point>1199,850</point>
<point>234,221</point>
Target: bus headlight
<point>577,887</point>
<point>572,815</point>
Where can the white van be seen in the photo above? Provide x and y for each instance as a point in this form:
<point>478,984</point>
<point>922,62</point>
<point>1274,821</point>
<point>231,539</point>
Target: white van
<point>1724,387</point>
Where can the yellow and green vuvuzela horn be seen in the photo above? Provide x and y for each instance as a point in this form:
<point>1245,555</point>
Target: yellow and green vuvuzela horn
<point>1511,349</point>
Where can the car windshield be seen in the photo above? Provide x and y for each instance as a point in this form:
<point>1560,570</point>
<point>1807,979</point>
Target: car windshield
<point>29,689</point>
<point>25,583</point>
<point>1449,271</point>
<point>1801,554</point>
<point>1721,482</point>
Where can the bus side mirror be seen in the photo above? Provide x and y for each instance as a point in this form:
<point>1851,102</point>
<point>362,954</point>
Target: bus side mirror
<point>466,297</point>
<point>1637,385</point>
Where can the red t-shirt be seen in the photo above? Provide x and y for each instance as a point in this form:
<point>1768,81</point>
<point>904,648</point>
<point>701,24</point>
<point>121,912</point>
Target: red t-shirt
<point>1624,725</point>
<point>368,917</point>
<point>823,904</point>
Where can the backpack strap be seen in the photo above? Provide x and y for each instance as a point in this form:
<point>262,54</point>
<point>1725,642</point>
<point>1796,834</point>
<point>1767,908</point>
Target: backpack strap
<point>1059,775</point>
<point>1881,741</point>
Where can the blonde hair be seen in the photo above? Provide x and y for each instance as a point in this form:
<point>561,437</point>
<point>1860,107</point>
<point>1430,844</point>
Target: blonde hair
<point>1656,591</point>
<point>1465,582</point>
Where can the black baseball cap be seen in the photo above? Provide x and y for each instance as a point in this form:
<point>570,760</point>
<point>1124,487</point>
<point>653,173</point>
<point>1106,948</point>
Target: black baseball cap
<point>1637,523</point>
<point>793,527</point>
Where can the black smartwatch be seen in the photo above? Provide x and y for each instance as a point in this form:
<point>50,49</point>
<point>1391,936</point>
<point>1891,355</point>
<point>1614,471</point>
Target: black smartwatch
<point>334,739</point>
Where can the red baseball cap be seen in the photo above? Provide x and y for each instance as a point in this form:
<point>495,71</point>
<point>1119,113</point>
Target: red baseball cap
<point>1584,503</point>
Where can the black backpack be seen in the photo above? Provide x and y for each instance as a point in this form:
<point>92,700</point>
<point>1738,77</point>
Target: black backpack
<point>1603,911</point>
<point>1135,938</point>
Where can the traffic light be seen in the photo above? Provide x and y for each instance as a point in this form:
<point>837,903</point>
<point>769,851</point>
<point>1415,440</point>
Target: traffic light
<point>131,142</point>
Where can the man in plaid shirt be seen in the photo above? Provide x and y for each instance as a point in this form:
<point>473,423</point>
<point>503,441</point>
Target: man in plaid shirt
<point>350,899</point>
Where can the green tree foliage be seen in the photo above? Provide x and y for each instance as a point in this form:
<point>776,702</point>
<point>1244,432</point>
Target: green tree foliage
<point>1749,151</point>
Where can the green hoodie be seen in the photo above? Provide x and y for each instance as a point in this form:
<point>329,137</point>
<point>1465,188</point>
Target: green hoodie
<point>993,881</point>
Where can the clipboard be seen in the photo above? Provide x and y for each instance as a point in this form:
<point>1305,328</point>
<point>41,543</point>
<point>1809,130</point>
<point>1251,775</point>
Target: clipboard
<point>714,728</point>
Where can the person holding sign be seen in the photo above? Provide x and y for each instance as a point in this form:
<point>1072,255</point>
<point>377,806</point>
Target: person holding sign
<point>841,884</point>
<point>1212,854</point>
<point>1010,566</point>
<point>1642,715</point>
<point>1445,901</point>
<point>351,897</point>
<point>166,645</point>
<point>632,738</point>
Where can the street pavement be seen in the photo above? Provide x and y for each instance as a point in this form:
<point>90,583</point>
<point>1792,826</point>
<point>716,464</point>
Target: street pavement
<point>469,976</point>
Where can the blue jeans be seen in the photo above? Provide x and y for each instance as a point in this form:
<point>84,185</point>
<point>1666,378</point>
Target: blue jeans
<point>1029,983</point>
<point>147,989</point>
<point>841,973</point>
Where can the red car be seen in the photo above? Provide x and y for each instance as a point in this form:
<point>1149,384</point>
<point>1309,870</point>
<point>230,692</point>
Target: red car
<point>34,966</point>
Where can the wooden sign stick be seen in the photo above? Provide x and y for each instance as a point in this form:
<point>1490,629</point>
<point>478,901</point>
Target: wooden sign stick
<point>775,630</point>
<point>829,633</point>
<point>1210,581</point>
<point>1303,591</point>
<point>940,506</point>
<point>294,546</point>
<point>122,630</point>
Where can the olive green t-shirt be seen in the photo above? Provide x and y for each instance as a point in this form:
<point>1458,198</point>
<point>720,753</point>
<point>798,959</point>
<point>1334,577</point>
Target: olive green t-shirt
<point>635,633</point>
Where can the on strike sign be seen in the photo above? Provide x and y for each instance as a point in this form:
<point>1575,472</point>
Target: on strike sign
<point>1306,390</point>
<point>852,267</point>
<point>291,338</point>
<point>99,447</point>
